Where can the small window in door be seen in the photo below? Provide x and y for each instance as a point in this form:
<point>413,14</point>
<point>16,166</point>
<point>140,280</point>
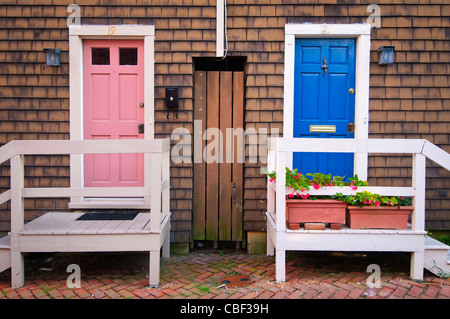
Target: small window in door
<point>100,56</point>
<point>128,56</point>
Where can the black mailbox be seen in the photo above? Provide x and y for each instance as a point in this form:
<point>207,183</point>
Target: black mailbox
<point>172,97</point>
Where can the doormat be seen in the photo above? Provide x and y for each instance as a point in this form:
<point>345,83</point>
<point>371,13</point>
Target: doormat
<point>233,281</point>
<point>108,216</point>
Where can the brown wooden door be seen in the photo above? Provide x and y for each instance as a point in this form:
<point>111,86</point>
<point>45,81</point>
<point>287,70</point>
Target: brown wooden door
<point>219,103</point>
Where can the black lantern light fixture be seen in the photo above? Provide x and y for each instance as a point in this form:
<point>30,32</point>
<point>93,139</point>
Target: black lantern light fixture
<point>386,55</point>
<point>52,56</point>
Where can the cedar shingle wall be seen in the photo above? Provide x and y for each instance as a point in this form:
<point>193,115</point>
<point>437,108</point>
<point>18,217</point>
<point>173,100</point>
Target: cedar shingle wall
<point>409,99</point>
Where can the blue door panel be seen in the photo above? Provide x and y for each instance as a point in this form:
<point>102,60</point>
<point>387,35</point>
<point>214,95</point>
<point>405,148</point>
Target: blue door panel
<point>339,54</point>
<point>337,97</point>
<point>321,99</point>
<point>310,95</point>
<point>311,54</point>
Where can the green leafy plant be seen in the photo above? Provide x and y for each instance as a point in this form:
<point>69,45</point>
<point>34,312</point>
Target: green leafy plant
<point>299,183</point>
<point>446,240</point>
<point>366,198</point>
<point>440,273</point>
<point>203,289</point>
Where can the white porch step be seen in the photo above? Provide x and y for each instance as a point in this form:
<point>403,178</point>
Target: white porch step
<point>5,254</point>
<point>437,257</point>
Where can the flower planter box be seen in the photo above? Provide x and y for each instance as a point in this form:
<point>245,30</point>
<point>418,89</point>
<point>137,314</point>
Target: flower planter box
<point>373,217</point>
<point>314,211</point>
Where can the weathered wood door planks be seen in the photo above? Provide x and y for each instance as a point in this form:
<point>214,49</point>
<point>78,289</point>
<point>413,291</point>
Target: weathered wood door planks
<point>217,203</point>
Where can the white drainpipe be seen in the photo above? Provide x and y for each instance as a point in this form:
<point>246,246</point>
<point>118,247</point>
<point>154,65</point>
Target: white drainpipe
<point>220,28</point>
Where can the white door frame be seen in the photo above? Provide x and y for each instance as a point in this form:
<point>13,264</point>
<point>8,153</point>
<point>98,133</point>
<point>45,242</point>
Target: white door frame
<point>77,33</point>
<point>360,32</point>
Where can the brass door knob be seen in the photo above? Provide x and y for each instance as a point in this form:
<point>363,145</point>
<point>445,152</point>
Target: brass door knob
<point>351,91</point>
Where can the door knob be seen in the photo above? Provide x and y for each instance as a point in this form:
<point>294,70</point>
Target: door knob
<point>234,193</point>
<point>351,91</point>
<point>141,104</point>
<point>351,128</point>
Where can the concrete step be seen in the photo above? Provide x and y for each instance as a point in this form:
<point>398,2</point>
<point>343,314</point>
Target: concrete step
<point>437,257</point>
<point>5,254</point>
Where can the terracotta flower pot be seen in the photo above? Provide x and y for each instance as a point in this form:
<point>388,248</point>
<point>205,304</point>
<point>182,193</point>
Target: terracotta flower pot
<point>315,211</point>
<point>373,217</point>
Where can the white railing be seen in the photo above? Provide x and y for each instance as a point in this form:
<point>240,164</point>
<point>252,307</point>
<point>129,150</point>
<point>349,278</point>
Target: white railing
<point>279,240</point>
<point>280,148</point>
<point>156,188</point>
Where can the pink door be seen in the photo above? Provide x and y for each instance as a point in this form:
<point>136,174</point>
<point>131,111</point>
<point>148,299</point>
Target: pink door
<point>113,109</point>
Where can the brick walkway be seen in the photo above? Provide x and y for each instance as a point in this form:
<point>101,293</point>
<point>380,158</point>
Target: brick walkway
<point>312,275</point>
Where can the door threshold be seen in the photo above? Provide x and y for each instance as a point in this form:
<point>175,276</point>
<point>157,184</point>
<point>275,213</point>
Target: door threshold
<point>110,203</point>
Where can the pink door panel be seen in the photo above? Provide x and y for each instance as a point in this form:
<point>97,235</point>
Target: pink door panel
<point>113,89</point>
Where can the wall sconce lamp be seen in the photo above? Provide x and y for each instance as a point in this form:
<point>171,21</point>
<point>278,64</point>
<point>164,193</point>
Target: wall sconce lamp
<point>386,55</point>
<point>52,56</point>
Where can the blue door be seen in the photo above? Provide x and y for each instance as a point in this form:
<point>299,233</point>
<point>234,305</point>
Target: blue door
<point>324,102</point>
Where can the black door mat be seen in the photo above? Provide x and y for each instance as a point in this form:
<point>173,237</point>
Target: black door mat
<point>108,216</point>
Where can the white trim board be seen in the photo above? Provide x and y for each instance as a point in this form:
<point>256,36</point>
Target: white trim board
<point>77,33</point>
<point>361,32</point>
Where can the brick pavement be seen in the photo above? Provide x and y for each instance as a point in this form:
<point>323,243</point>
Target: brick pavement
<point>310,275</point>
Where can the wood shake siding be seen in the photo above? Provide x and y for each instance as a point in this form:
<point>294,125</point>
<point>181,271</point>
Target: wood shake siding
<point>409,99</point>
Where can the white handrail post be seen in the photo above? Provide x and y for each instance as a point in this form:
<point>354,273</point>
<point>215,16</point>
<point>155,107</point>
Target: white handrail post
<point>280,252</point>
<point>270,190</point>
<point>270,248</point>
<point>17,220</point>
<point>165,199</point>
<point>280,191</point>
<point>165,176</point>
<point>148,176</point>
<point>75,175</point>
<point>155,191</point>
<point>418,214</point>
<point>418,182</point>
